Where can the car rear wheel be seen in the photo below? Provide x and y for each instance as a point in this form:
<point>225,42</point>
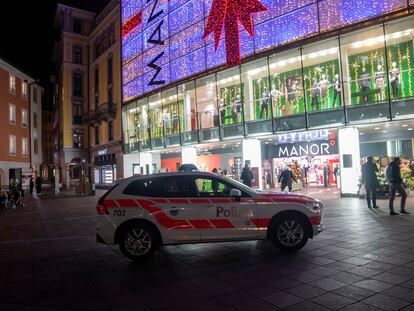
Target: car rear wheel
<point>289,233</point>
<point>138,241</point>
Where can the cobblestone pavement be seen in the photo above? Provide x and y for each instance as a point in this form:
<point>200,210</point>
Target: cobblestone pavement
<point>49,261</point>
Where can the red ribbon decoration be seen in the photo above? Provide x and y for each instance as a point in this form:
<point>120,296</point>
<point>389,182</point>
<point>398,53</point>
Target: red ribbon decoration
<point>227,13</point>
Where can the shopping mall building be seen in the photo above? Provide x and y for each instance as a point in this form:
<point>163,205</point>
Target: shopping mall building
<point>309,83</point>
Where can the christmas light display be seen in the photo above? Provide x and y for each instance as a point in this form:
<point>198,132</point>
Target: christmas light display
<point>169,40</point>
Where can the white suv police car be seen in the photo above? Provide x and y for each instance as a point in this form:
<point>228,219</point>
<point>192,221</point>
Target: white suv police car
<point>143,212</point>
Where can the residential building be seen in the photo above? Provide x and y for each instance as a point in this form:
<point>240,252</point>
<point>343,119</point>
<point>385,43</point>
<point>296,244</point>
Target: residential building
<point>104,117</point>
<point>70,57</point>
<point>14,123</point>
<point>87,95</point>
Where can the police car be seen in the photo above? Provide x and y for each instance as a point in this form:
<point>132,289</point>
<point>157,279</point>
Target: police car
<point>143,212</point>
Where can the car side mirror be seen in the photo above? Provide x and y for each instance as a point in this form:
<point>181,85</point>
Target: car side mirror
<point>236,194</point>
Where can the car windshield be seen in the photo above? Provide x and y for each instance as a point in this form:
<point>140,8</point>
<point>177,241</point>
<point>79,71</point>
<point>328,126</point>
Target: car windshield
<point>238,183</point>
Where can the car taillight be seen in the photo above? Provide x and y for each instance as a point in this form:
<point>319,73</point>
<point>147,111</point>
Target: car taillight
<point>100,206</point>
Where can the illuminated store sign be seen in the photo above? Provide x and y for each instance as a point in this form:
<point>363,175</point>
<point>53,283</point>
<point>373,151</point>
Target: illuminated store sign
<point>164,41</point>
<point>306,149</point>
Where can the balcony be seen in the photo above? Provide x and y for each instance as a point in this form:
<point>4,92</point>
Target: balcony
<point>91,118</point>
<point>107,112</point>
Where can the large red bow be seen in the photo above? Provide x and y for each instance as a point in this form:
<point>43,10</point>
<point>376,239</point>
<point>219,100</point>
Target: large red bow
<point>227,13</point>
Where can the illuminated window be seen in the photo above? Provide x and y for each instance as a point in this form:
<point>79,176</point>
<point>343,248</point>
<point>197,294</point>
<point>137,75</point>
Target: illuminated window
<point>25,146</point>
<point>24,118</point>
<point>24,90</point>
<point>77,136</point>
<point>12,113</point>
<point>12,144</point>
<point>12,84</point>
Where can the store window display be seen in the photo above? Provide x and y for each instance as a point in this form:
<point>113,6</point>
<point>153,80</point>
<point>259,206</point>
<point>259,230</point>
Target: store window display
<point>257,93</point>
<point>230,97</point>
<point>365,62</point>
<point>287,84</point>
<point>399,36</point>
<point>130,133</point>
<point>156,117</point>
<point>172,108</point>
<point>207,105</point>
<point>186,95</point>
<point>141,124</point>
<point>322,74</point>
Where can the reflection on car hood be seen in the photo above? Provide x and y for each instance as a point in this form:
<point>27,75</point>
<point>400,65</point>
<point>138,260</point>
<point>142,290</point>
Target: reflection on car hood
<point>287,196</point>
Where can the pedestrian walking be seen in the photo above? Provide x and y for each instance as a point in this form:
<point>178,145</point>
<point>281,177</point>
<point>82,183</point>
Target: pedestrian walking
<point>31,185</point>
<point>247,176</point>
<point>38,185</point>
<point>370,180</point>
<point>396,184</point>
<point>336,173</point>
<point>326,175</point>
<point>285,179</point>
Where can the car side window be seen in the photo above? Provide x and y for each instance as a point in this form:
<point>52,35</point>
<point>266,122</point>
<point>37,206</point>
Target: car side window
<point>141,187</point>
<point>215,188</point>
<point>175,187</point>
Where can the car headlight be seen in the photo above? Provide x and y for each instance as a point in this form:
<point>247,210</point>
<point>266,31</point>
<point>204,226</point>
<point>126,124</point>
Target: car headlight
<point>314,205</point>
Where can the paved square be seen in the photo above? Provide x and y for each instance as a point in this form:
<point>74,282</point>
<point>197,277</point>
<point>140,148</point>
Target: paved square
<point>49,261</point>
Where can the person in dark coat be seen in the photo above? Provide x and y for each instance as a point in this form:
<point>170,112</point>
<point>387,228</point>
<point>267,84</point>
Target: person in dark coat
<point>247,176</point>
<point>396,184</point>
<point>31,185</point>
<point>370,180</point>
<point>38,185</point>
<point>286,179</point>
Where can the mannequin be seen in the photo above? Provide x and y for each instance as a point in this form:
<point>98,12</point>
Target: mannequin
<point>380,82</point>
<point>324,86</point>
<point>264,107</point>
<point>337,90</point>
<point>290,91</point>
<point>315,93</point>
<point>276,94</point>
<point>175,123</point>
<point>236,109</point>
<point>222,108</point>
<point>365,85</point>
<point>395,80</point>
<point>165,119</point>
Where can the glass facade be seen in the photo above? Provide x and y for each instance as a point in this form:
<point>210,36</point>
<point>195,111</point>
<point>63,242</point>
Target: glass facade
<point>168,41</point>
<point>360,77</point>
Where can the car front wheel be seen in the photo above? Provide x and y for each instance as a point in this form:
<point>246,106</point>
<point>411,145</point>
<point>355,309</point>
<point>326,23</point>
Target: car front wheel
<point>138,241</point>
<point>289,234</point>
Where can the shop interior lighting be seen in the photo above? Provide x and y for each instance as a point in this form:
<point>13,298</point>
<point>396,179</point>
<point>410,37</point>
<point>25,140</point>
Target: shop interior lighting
<point>410,129</point>
<point>404,125</point>
<point>377,128</point>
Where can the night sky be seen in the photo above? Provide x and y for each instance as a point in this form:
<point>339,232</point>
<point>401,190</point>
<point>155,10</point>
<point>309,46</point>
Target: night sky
<point>27,34</point>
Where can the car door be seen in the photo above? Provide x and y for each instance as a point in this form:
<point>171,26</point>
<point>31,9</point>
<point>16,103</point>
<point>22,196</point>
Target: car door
<point>228,218</point>
<point>172,209</point>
